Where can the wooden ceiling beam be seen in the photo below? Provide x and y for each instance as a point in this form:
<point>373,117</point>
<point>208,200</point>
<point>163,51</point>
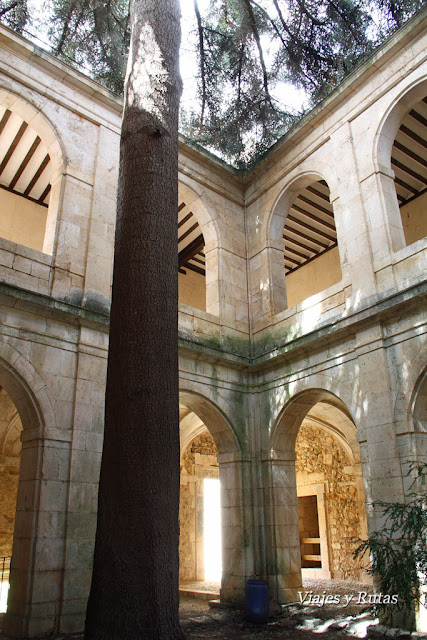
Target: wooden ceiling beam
<point>188,232</point>
<point>22,195</point>
<point>414,197</point>
<point>184,220</point>
<point>313,217</point>
<point>316,206</point>
<point>309,238</point>
<point>408,171</point>
<point>298,243</point>
<point>5,119</point>
<point>191,250</point>
<point>292,260</point>
<point>405,185</point>
<point>310,228</point>
<point>297,253</point>
<point>411,134</point>
<point>37,174</point>
<point>25,161</point>
<point>410,153</point>
<point>319,194</point>
<point>44,194</point>
<point>313,258</point>
<point>193,267</point>
<point>181,206</point>
<point>13,146</point>
<point>417,116</point>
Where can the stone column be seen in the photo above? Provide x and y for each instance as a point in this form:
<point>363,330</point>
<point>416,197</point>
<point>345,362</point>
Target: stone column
<point>38,546</point>
<point>82,495</point>
<point>281,509</point>
<point>235,526</point>
<point>351,218</point>
<point>382,472</point>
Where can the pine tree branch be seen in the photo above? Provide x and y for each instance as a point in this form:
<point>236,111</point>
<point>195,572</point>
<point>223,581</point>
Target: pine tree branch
<point>202,60</point>
<point>314,20</point>
<point>65,29</point>
<point>216,32</point>
<point>239,76</point>
<point>9,8</point>
<point>344,18</point>
<point>275,27</point>
<point>282,20</point>
<point>66,34</point>
<point>260,51</point>
<point>101,17</point>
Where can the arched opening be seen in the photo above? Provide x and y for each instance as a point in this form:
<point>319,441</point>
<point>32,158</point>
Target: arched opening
<point>191,259</point>
<point>30,175</point>
<point>20,438</point>
<point>315,445</point>
<point>419,414</point>
<point>200,518</point>
<point>312,261</point>
<point>409,163</point>
<point>331,505</point>
<point>198,247</point>
<point>10,457</point>
<point>400,161</point>
<point>209,452</point>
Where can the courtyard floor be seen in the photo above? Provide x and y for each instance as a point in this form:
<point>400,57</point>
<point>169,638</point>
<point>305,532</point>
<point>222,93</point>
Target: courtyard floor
<point>340,621</point>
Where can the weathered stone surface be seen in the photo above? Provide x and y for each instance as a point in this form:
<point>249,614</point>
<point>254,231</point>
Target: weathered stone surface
<point>309,385</point>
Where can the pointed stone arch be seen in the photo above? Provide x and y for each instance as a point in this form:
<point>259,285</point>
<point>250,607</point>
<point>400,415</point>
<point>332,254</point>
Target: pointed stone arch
<point>289,420</point>
<point>231,475</point>
<point>28,392</point>
<point>324,409</point>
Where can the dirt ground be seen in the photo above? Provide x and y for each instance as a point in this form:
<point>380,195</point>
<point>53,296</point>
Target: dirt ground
<point>296,622</point>
<point>199,621</point>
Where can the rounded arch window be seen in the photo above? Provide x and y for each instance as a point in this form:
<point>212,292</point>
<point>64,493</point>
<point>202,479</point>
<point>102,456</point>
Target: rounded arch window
<point>191,258</point>
<point>409,163</point>
<point>312,261</point>
<point>29,175</point>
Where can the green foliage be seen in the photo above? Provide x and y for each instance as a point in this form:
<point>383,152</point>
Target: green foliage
<point>250,47</point>
<point>398,551</point>
<point>14,13</point>
<point>247,50</point>
<point>94,35</point>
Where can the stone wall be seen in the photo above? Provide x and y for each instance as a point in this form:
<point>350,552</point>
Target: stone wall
<point>10,454</point>
<point>320,455</point>
<point>9,476</point>
<point>251,366</point>
<point>197,464</point>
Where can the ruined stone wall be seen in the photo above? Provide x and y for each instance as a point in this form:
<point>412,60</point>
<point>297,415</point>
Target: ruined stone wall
<point>320,453</point>
<point>197,463</point>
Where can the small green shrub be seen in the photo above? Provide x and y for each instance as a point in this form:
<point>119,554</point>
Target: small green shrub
<point>398,552</point>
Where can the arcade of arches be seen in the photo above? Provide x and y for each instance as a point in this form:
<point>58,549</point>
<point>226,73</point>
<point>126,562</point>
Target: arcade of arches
<point>301,325</point>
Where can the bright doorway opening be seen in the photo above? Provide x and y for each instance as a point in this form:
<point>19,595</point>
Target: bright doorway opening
<point>212,530</point>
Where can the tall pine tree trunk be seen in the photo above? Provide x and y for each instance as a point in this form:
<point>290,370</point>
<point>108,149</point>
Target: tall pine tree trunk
<point>134,591</point>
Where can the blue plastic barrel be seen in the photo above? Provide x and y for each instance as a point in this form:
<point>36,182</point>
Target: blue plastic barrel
<point>256,601</point>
